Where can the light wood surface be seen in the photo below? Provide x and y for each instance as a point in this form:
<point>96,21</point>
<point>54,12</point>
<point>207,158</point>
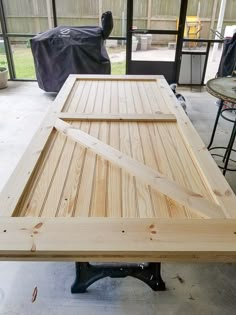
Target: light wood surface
<point>113,239</point>
<point>149,176</point>
<point>119,117</point>
<point>207,168</point>
<point>11,193</point>
<point>122,152</point>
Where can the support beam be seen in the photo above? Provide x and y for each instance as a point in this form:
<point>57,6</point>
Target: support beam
<point>156,180</point>
<point>219,27</point>
<point>7,44</point>
<point>119,117</point>
<point>213,16</point>
<point>199,9</point>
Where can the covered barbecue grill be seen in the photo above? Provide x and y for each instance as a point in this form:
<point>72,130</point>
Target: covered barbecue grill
<point>228,58</point>
<point>71,50</point>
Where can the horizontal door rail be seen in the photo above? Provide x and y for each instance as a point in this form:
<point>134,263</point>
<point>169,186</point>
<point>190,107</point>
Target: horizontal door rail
<point>148,31</point>
<point>160,117</point>
<point>202,40</point>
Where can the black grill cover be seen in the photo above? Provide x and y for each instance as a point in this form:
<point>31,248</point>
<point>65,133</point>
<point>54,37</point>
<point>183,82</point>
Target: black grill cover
<point>228,58</point>
<point>107,24</point>
<point>70,50</point>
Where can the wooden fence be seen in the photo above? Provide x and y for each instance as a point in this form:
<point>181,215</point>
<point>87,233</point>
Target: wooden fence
<point>33,16</point>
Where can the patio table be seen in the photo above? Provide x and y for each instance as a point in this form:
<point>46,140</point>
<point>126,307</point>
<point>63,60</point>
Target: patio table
<point>224,89</point>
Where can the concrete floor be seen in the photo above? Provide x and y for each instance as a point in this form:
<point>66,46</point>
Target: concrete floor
<point>191,288</point>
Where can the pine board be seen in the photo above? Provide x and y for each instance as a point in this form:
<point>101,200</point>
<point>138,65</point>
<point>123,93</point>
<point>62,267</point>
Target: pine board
<point>66,179</point>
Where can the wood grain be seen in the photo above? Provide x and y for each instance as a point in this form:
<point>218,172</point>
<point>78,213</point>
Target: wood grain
<point>207,168</point>
<point>158,181</point>
<point>118,117</point>
<point>145,162</point>
<point>129,188</point>
<point>107,239</point>
<point>11,193</point>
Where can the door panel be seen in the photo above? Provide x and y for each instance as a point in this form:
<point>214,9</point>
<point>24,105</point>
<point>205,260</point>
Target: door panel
<point>155,68</point>
<point>155,43</point>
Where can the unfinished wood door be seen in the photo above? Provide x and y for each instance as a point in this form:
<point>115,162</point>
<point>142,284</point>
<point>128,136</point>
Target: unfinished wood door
<point>117,171</point>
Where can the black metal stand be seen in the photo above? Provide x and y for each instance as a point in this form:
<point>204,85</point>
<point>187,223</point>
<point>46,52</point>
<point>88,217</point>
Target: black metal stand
<point>229,148</point>
<point>87,274</point>
<point>216,123</point>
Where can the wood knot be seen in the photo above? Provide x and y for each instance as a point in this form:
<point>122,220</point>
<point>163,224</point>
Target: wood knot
<point>38,226</point>
<point>34,295</point>
<point>33,248</point>
<point>217,193</point>
<point>152,228</point>
<point>193,194</point>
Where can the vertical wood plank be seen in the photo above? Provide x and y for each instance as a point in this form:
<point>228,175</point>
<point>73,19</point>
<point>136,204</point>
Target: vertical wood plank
<point>143,192</point>
<point>83,203</point>
<point>70,97</point>
<point>193,178</point>
<point>98,201</point>
<point>114,202</point>
<point>33,181</point>
<point>155,98</point>
<point>175,210</point>
<point>128,182</point>
<point>176,165</point>
<point>70,192</point>
<point>35,205</point>
<point>85,101</point>
<point>151,101</point>
<point>53,197</point>
<point>159,201</point>
<point>79,97</point>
